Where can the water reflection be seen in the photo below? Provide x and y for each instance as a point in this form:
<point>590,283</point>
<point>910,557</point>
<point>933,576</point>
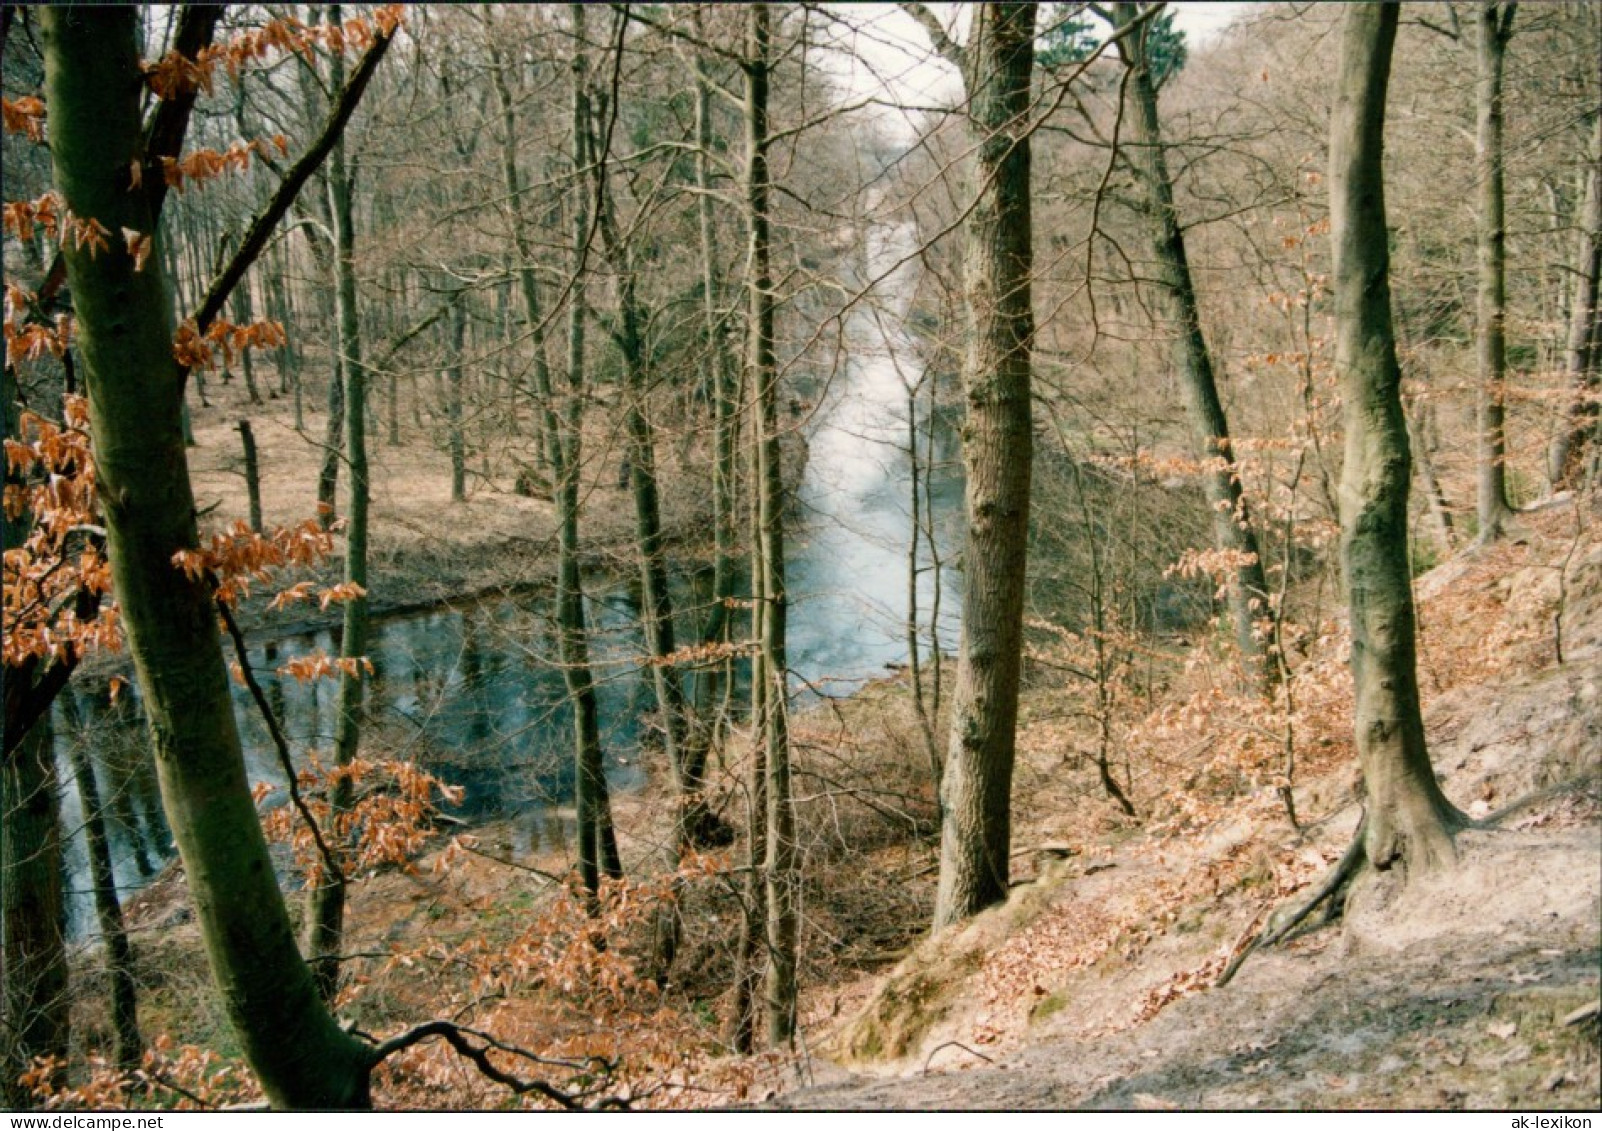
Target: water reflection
<point>476,693</point>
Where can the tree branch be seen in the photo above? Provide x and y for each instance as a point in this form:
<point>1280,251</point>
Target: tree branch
<point>458,1037</point>
<point>336,873</point>
<point>948,48</point>
<point>169,123</point>
<point>164,133</point>
<point>300,172</point>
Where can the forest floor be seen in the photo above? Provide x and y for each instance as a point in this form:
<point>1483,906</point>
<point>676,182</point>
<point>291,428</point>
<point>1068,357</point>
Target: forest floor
<point>1093,986</point>
<point>424,548</point>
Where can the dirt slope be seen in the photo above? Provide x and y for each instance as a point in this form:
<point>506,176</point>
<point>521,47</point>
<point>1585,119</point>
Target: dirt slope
<point>1092,988</point>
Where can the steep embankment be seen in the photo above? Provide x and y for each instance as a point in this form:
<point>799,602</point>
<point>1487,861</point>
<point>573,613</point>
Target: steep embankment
<point>1092,986</point>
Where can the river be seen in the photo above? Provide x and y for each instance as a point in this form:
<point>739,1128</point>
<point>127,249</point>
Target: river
<point>474,691</point>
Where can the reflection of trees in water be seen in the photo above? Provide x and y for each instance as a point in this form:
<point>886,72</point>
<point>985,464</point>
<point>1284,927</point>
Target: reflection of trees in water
<point>107,772</point>
<point>474,694</point>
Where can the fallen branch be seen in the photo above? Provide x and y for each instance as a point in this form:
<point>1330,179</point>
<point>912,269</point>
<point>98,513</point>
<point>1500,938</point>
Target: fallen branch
<point>461,1039</point>
<point>950,1044</point>
<point>540,872</point>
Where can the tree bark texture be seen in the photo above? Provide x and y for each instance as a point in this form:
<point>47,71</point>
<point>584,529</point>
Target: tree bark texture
<point>998,443</point>
<point>597,842</point>
<point>1495,25</point>
<point>125,327</point>
<point>1409,818</point>
<point>780,869</point>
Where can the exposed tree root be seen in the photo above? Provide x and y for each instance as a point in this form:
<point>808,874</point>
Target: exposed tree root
<point>1285,920</point>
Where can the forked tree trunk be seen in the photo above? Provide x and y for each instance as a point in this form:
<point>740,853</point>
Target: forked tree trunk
<point>125,324</point>
<point>545,423</point>
<point>1233,532</point>
<point>562,442</point>
<point>1495,26</point>
<point>656,599</point>
<point>1408,817</point>
<point>976,790</point>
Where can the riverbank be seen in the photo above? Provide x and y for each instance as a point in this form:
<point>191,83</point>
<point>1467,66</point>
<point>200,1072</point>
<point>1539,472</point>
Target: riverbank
<point>426,551</point>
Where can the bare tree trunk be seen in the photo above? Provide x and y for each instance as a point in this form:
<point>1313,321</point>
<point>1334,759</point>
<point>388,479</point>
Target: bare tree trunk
<point>33,918</point>
<point>244,314</point>
<point>1566,454</point>
<point>247,440</point>
<point>656,604</point>
<point>527,281</point>
<point>976,791</point>
<point>915,485</point>
<point>454,381</point>
<point>560,434</point>
<point>1433,495</point>
<point>597,842</point>
<point>326,913</point>
<point>1233,531</point>
<point>1495,26</point>
<point>1408,817</point>
<point>334,425</point>
<point>780,867</point>
<point>125,325</point>
<point>726,426</point>
<point>750,951</point>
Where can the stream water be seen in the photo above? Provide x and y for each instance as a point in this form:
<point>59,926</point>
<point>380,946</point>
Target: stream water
<point>475,691</point>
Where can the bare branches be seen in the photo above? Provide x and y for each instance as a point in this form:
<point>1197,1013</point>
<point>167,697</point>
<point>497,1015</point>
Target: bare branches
<point>261,228</point>
<point>461,1038</point>
<point>948,48</point>
<point>280,743</point>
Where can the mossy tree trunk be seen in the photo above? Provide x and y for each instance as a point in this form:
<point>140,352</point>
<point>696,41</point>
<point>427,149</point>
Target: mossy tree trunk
<point>1409,819</point>
<point>125,325</point>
